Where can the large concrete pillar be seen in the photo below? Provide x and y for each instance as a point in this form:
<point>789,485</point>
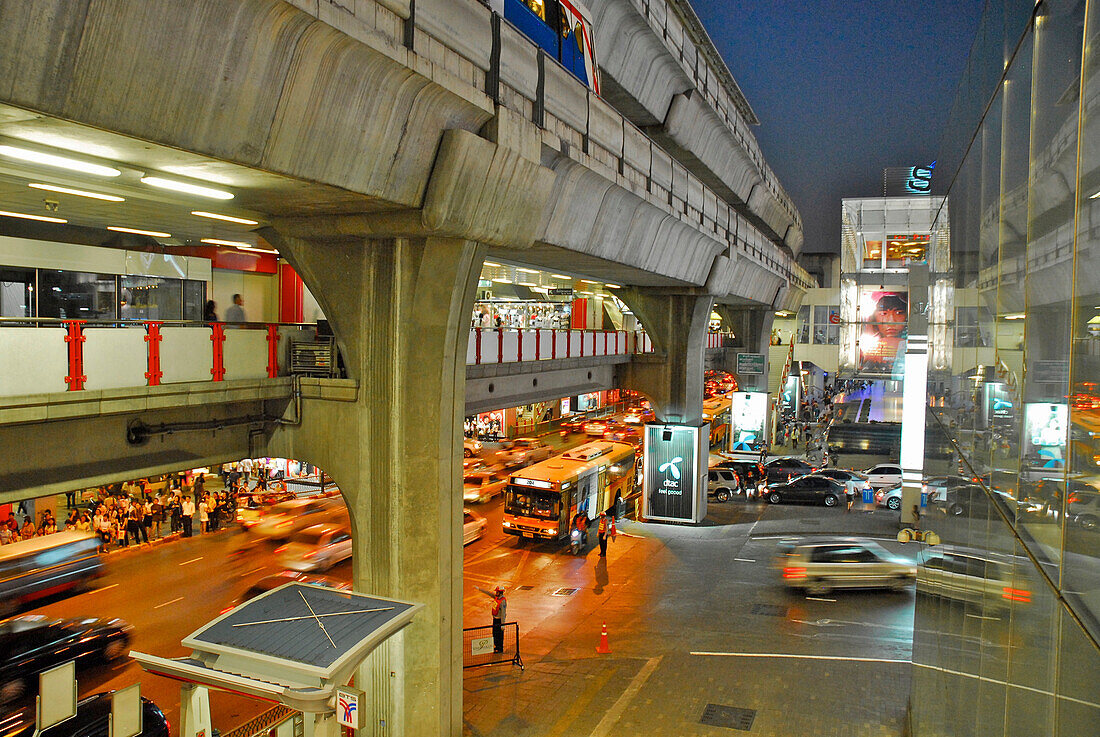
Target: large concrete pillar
<point>752,330</point>
<point>400,309</point>
<point>672,376</point>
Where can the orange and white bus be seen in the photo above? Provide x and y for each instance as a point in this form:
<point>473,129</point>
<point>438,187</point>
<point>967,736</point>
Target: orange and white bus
<point>542,500</point>
<point>716,411</point>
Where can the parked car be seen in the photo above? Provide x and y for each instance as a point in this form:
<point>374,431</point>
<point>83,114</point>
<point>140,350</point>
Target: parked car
<point>473,526</point>
<point>481,486</point>
<point>820,565</point>
<point>780,470</point>
<point>91,720</point>
<point>316,548</point>
<point>525,451</point>
<point>813,489</point>
<point>855,482</point>
<point>884,474</point>
<point>34,643</point>
<point>750,473</point>
<point>973,577</point>
<point>723,483</point>
<point>470,447</point>
<point>284,519</point>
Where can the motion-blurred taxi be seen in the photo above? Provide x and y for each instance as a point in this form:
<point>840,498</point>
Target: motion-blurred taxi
<point>284,519</point>
<point>316,548</point>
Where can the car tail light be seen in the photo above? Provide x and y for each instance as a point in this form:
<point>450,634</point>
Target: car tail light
<point>1021,595</point>
<point>1073,498</point>
<point>790,573</point>
<point>281,549</point>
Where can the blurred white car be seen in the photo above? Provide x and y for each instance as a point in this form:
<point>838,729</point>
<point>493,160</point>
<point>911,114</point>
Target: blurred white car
<point>473,526</point>
<point>316,548</point>
<point>285,518</point>
<point>470,447</point>
<point>483,485</point>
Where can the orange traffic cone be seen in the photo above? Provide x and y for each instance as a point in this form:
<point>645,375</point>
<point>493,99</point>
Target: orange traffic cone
<point>603,648</point>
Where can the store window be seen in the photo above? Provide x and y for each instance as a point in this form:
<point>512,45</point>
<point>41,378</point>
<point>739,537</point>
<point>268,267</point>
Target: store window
<point>76,295</point>
<point>16,292</point>
<point>905,249</point>
<point>151,298</point>
<point>826,326</point>
<point>194,298</point>
<point>872,254</point>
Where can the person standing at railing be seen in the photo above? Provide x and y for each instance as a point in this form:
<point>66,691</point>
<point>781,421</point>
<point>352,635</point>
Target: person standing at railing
<point>235,313</point>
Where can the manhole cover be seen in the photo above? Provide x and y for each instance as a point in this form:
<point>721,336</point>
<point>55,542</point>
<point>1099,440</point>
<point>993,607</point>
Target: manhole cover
<point>564,592</point>
<point>769,610</point>
<point>524,588</point>
<point>717,715</point>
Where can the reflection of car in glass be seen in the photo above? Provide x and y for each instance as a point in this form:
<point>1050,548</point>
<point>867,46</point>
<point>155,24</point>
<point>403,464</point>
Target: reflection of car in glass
<point>779,470</point>
<point>92,716</point>
<point>856,483</point>
<point>889,497</point>
<point>819,565</point>
<point>884,474</point>
<point>971,577</point>
<point>473,526</point>
<point>286,518</point>
<point>722,483</point>
<point>813,489</point>
<point>481,486</point>
<point>33,643</point>
<point>316,548</point>
<point>1083,505</point>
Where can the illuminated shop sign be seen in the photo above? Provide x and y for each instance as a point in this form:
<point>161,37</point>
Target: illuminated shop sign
<point>748,420</point>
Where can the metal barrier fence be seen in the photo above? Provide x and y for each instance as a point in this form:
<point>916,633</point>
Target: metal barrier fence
<point>477,647</point>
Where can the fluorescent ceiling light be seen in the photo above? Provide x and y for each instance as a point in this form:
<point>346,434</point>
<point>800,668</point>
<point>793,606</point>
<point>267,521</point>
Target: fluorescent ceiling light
<point>502,281</point>
<point>77,192</point>
<point>1094,196</point>
<point>1015,316</point>
<point>561,276</point>
<point>231,244</point>
<point>527,284</point>
<point>527,271</point>
<point>258,250</point>
<point>186,188</point>
<point>136,231</point>
<point>226,218</point>
<point>491,263</point>
<point>613,286</point>
<point>60,162</point>
<point>588,281</point>
<point>25,216</point>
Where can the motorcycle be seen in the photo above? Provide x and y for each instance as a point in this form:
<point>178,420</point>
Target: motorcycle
<point>576,541</point>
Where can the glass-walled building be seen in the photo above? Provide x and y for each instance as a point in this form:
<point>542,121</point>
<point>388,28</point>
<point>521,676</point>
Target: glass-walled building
<point>1008,608</point>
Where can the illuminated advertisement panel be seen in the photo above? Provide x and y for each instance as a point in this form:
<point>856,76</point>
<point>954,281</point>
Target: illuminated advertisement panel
<point>791,396</point>
<point>748,421</point>
<point>884,315</point>
<point>675,468</point>
<point>1045,430</point>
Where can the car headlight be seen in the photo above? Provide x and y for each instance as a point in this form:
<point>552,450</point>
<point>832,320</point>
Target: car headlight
<point>507,523</point>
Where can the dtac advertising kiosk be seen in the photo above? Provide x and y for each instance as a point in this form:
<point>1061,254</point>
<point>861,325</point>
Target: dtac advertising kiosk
<point>675,472</point>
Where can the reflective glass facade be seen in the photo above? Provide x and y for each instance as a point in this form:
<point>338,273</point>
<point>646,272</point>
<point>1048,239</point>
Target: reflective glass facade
<point>1008,607</point>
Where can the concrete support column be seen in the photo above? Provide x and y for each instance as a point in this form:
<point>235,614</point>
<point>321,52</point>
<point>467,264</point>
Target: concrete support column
<point>399,308</point>
<point>752,329</point>
<point>672,376</point>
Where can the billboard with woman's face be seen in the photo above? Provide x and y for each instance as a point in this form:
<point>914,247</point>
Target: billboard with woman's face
<point>884,315</point>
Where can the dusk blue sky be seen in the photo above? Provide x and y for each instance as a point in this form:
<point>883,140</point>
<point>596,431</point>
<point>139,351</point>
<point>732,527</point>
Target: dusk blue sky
<point>843,90</point>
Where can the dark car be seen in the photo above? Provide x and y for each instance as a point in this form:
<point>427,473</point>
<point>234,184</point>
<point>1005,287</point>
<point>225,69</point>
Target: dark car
<point>33,643</point>
<point>91,718</point>
<point>780,470</point>
<point>751,473</point>
<point>811,489</point>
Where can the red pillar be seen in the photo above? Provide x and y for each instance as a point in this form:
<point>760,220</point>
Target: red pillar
<point>291,291</point>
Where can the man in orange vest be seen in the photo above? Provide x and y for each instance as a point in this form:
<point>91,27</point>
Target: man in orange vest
<point>500,613</point>
<point>606,529</point>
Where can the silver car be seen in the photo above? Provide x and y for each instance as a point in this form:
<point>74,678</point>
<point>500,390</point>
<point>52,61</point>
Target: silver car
<point>316,548</point>
<point>817,566</point>
<point>975,577</point>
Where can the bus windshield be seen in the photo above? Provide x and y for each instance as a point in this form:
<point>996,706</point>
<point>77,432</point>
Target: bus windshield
<point>525,502</point>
